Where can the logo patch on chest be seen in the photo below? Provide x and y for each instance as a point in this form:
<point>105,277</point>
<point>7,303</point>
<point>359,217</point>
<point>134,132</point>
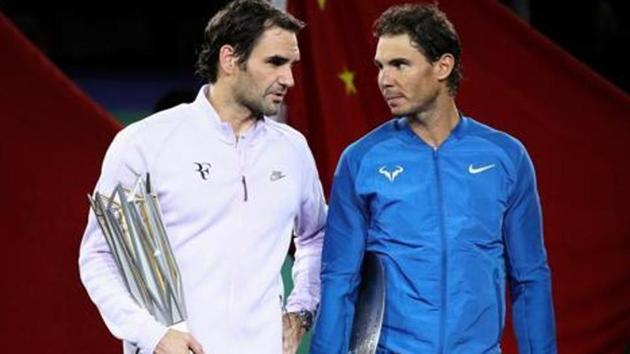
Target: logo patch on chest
<point>474,170</point>
<point>203,168</point>
<point>391,174</point>
<point>276,175</point>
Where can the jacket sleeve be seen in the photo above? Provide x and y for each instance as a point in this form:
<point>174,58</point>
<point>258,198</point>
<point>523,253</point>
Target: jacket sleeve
<point>529,275</point>
<point>124,318</point>
<point>309,236</point>
<point>344,245</point>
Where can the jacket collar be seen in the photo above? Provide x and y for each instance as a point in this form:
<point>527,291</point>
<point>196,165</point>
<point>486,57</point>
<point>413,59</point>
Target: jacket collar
<point>223,130</point>
<point>457,133</point>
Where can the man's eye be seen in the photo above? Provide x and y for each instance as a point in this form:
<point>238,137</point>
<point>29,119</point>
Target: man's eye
<point>277,61</point>
<point>399,65</point>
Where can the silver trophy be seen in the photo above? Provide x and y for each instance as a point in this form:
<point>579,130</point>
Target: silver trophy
<point>370,307</point>
<point>132,225</point>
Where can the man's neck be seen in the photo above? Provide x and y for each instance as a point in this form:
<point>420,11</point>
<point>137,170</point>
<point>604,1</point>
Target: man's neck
<point>434,126</point>
<point>230,111</point>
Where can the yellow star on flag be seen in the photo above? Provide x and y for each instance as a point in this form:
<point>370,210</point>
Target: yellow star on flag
<point>347,77</point>
<point>322,4</point>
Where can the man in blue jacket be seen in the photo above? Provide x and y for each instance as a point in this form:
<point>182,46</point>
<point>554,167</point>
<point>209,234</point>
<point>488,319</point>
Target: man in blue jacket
<point>447,204</point>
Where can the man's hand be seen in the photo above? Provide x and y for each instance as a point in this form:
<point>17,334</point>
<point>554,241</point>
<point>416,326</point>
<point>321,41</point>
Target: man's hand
<point>292,332</point>
<point>176,342</point>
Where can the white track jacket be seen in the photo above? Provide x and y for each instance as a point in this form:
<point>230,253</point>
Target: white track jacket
<point>230,207</point>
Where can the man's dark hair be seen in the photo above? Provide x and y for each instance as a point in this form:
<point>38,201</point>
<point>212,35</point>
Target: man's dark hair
<point>239,24</point>
<point>429,29</point>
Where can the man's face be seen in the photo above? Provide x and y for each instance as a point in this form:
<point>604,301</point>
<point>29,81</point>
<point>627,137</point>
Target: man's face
<point>406,78</point>
<point>266,76</point>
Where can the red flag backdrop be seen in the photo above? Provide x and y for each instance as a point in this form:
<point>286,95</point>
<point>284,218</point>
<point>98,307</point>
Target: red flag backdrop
<point>53,141</point>
<point>575,125</point>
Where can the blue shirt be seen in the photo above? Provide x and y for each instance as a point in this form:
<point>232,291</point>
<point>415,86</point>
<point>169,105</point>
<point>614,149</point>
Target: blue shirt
<point>452,226</point>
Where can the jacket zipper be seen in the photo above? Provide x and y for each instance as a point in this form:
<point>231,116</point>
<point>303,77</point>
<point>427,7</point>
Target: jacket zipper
<point>443,288</point>
<point>244,181</point>
<point>241,162</point>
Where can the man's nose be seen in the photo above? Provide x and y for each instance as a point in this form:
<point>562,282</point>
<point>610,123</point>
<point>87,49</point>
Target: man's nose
<point>286,78</point>
<point>384,78</point>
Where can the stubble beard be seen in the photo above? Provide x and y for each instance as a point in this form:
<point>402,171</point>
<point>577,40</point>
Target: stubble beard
<point>255,104</point>
<point>417,111</point>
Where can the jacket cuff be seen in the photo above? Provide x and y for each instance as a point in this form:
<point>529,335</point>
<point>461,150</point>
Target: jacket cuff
<point>150,335</point>
<point>295,305</point>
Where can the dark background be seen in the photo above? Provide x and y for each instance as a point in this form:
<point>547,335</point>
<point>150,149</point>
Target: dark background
<point>97,38</point>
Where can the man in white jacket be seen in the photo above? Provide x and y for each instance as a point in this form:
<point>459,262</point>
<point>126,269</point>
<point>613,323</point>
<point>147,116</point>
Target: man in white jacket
<point>234,186</point>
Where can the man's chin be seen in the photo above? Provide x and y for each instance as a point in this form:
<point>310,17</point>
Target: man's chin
<point>272,110</point>
<point>400,111</point>
<point>265,111</point>
<point>397,112</point>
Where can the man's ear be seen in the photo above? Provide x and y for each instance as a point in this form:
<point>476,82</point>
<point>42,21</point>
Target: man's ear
<point>228,61</point>
<point>444,66</point>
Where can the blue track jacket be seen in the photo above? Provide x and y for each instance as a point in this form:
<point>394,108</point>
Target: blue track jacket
<point>452,226</point>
